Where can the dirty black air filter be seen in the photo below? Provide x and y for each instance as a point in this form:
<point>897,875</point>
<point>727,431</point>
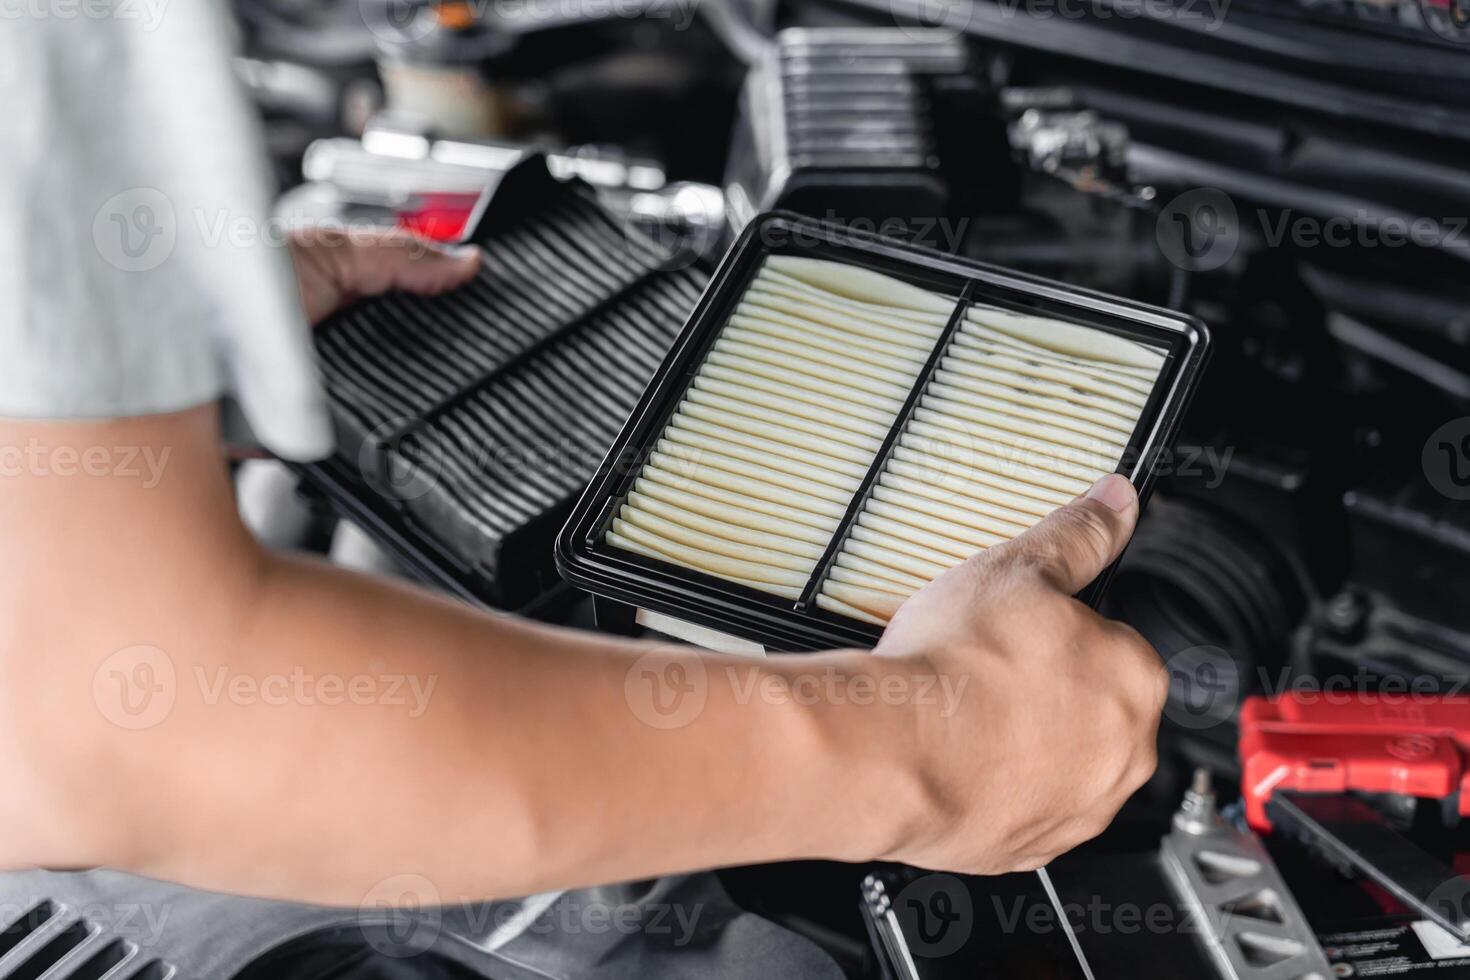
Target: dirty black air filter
<point>857,123</point>
<point>468,422</point>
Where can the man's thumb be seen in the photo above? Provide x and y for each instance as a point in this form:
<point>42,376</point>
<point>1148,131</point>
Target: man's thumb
<point>1073,544</point>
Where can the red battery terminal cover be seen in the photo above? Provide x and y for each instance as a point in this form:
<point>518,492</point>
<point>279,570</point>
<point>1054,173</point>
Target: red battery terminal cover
<point>1409,744</point>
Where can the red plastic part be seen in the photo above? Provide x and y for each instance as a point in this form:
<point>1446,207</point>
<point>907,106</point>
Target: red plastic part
<point>439,216</point>
<point>1413,744</point>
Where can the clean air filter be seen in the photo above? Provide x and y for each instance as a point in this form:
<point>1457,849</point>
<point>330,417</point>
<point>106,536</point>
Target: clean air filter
<point>1022,414</point>
<point>750,479</point>
<point>469,422</point>
<point>846,418</point>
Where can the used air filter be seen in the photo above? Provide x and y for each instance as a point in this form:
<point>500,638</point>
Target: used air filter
<point>469,422</point>
<point>857,123</point>
<point>845,418</point>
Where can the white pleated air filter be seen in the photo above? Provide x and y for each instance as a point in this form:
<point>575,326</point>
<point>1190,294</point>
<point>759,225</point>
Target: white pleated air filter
<point>1022,414</point>
<point>753,474</point>
<point>841,423</point>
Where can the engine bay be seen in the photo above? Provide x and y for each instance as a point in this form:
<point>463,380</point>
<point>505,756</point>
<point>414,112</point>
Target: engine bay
<point>1291,174</point>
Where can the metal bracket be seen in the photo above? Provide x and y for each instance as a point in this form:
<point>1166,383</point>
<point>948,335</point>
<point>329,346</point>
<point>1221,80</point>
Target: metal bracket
<point>1250,922</point>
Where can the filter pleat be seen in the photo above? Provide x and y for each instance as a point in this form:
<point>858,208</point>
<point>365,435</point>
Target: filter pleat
<point>1022,414</point>
<point>774,439</point>
<point>780,425</point>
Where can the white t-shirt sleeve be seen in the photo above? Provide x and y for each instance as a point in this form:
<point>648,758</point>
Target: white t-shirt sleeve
<point>139,272</point>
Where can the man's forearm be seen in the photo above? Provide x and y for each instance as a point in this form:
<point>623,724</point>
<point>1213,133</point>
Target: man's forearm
<point>274,725</point>
<point>516,757</point>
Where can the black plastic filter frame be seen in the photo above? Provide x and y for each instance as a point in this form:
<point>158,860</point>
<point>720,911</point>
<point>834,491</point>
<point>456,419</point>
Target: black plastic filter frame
<point>585,559</point>
<point>352,482</point>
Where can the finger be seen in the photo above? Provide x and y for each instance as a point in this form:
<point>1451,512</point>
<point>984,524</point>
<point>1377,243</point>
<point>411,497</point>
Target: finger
<point>408,263</point>
<point>1073,544</point>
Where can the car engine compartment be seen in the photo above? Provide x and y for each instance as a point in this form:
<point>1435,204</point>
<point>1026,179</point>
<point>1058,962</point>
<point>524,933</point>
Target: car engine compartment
<point>1291,174</point>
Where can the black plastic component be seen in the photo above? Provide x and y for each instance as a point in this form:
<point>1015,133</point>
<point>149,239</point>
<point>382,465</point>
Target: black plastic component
<point>1354,837</point>
<point>883,126</point>
<point>468,422</point>
<point>585,560</point>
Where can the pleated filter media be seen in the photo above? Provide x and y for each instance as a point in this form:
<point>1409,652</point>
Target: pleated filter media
<point>471,420</point>
<point>765,476</point>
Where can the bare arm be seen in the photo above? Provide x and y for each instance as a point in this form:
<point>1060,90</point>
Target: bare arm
<point>176,701</point>
<point>511,757</point>
<point>506,758</point>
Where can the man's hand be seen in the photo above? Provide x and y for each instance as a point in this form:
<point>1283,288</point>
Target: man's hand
<point>1056,726</point>
<point>333,269</point>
